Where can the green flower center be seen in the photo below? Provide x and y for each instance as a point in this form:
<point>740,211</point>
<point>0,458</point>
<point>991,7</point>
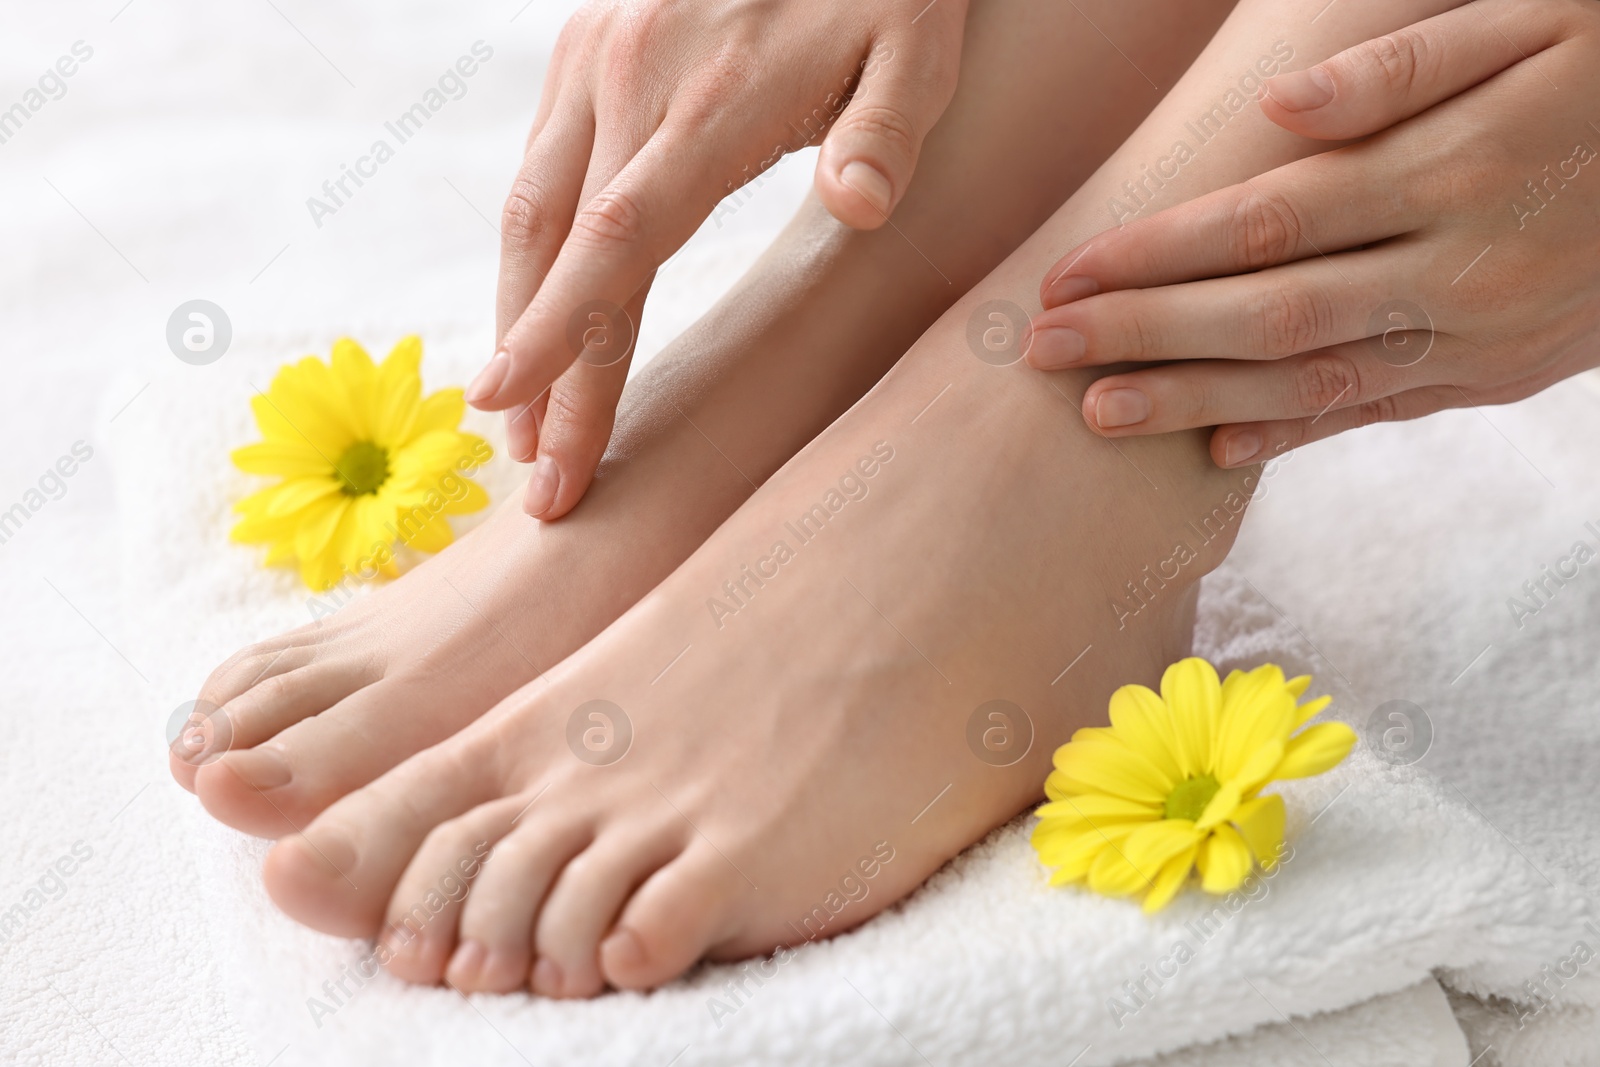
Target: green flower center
<point>364,468</point>
<point>1189,799</point>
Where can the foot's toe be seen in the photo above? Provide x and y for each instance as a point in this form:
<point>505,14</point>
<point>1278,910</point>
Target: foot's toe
<point>495,953</point>
<point>673,920</point>
<point>209,731</point>
<point>420,925</point>
<point>586,899</point>
<point>279,786</point>
<point>339,875</point>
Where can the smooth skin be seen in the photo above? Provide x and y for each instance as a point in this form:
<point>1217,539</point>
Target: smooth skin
<point>318,712</point>
<point>652,113</point>
<point>775,746</point>
<point>1446,259</point>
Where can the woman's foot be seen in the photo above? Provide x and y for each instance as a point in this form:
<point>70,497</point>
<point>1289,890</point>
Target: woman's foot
<point>801,723</point>
<point>312,714</point>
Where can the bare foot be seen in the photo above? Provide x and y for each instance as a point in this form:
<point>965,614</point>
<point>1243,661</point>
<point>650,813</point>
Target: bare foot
<point>801,713</point>
<point>799,725</point>
<point>322,710</point>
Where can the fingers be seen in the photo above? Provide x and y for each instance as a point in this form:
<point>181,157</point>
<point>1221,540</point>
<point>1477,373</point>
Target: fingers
<point>1299,210</point>
<point>1388,79</point>
<point>616,241</point>
<point>1216,393</point>
<point>539,210</point>
<point>1238,446</point>
<point>1269,315</point>
<point>871,151</point>
<point>575,422</point>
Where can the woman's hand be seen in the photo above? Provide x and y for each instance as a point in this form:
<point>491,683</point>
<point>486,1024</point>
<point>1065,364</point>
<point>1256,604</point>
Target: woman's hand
<point>1451,259</point>
<point>653,112</point>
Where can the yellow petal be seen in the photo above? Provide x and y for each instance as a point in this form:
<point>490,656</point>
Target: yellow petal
<point>317,525</point>
<point>434,535</point>
<point>1095,808</point>
<point>1149,847</point>
<point>1260,823</point>
<point>473,498</point>
<point>301,493</point>
<point>1259,768</point>
<point>1193,695</point>
<point>1224,860</point>
<point>1142,722</point>
<point>1112,875</point>
<point>1075,856</point>
<point>1307,711</point>
<point>355,371</point>
<point>399,395</point>
<point>1298,685</point>
<point>1256,708</point>
<point>1173,874</point>
<point>1316,749</point>
<point>287,459</point>
<point>1220,807</point>
<point>441,411</point>
<point>1103,765</point>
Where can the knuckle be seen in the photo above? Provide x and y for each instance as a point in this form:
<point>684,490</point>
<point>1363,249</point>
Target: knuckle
<point>1291,320</point>
<point>1383,409</point>
<point>566,410</point>
<point>886,125</point>
<point>1265,229</point>
<point>612,218</point>
<point>1323,380</point>
<point>523,218</point>
<point>1142,336</point>
<point>1398,59</point>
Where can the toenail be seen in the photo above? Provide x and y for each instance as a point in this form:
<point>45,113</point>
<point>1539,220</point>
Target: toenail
<point>466,964</point>
<point>622,949</point>
<point>1241,448</point>
<point>1120,407</point>
<point>262,768</point>
<point>547,978</point>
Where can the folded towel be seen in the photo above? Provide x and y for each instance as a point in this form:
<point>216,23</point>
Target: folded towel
<point>1395,876</point>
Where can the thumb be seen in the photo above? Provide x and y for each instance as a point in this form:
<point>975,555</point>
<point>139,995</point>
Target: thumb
<point>1389,79</point>
<point>871,151</point>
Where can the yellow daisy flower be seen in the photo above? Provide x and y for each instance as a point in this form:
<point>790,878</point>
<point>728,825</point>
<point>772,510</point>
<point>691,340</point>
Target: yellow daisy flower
<point>1174,783</point>
<point>365,461</point>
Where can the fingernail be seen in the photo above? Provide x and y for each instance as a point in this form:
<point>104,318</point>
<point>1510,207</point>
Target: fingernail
<point>1241,448</point>
<point>490,379</point>
<point>466,963</point>
<point>543,482</point>
<point>1054,347</point>
<point>1302,90</point>
<point>1073,287</point>
<point>262,768</point>
<point>522,434</point>
<point>547,978</point>
<point>866,180</point>
<point>1120,407</point>
<point>622,949</point>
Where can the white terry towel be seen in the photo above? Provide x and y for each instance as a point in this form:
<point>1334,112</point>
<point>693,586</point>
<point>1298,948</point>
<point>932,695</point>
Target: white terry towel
<point>1394,878</point>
